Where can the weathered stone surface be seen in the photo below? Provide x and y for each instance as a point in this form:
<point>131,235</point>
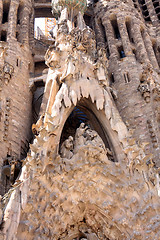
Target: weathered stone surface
<point>92,169</point>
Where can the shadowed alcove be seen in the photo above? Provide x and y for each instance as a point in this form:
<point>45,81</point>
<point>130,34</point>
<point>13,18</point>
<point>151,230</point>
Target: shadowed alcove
<point>87,113</point>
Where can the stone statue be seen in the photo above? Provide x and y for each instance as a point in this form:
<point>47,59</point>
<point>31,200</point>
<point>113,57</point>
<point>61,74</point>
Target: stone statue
<point>67,148</point>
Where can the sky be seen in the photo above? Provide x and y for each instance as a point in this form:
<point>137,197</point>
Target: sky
<point>39,22</point>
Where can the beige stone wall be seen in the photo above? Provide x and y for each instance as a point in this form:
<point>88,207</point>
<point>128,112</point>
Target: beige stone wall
<point>16,98</point>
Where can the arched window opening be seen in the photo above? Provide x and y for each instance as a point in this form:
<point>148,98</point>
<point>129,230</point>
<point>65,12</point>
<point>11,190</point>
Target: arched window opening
<point>128,26</point>
<point>5,12</point>
<point>88,20</point>
<point>115,28</point>
<point>82,114</point>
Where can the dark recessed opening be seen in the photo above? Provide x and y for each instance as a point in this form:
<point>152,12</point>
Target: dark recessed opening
<point>128,26</point>
<point>39,67</point>
<point>75,21</point>
<point>18,16</point>
<point>121,52</point>
<point>17,36</point>
<point>88,20</point>
<point>115,28</point>
<point>103,31</point>
<point>5,12</point>
<point>37,99</point>
<point>82,114</point>
<point>73,122</point>
<point>24,149</point>
<point>112,80</point>
<point>4,36</point>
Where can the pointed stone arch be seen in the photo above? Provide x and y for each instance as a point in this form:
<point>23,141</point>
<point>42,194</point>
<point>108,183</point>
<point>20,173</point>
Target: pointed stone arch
<point>96,109</point>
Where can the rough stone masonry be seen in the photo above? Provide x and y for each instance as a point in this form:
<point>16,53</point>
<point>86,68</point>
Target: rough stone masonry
<point>80,120</point>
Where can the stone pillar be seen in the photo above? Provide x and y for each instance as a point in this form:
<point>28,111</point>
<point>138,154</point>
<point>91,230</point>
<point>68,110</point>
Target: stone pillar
<point>124,36</point>
<point>152,12</point>
<point>149,49</point>
<point>64,15</point>
<point>81,22</point>
<point>110,36</point>
<point>1,16</point>
<point>12,19</point>
<point>99,34</point>
<point>25,24</point>
<point>31,36</point>
<point>139,44</point>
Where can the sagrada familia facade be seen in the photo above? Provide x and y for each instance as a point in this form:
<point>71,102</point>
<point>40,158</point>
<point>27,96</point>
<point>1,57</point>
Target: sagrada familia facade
<point>80,121</point>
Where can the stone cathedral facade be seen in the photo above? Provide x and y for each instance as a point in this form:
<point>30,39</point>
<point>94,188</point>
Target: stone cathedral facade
<point>80,120</point>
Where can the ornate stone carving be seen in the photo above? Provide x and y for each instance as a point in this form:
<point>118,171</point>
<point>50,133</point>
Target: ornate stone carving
<point>5,74</point>
<point>144,89</point>
<point>8,70</point>
<point>6,120</point>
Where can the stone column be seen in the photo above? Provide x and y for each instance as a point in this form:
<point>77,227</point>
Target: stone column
<point>64,15</point>
<point>31,36</point>
<point>139,44</point>
<point>152,12</point>
<point>81,22</point>
<point>25,24</point>
<point>110,36</point>
<point>99,34</point>
<point>149,49</point>
<point>12,19</point>
<point>124,36</point>
<point>1,16</point>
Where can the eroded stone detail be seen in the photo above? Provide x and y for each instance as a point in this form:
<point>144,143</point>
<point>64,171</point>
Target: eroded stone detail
<point>6,74</point>
<point>101,181</point>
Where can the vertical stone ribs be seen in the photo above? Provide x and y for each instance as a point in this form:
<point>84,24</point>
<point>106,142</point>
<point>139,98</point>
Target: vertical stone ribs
<point>156,5</point>
<point>144,9</point>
